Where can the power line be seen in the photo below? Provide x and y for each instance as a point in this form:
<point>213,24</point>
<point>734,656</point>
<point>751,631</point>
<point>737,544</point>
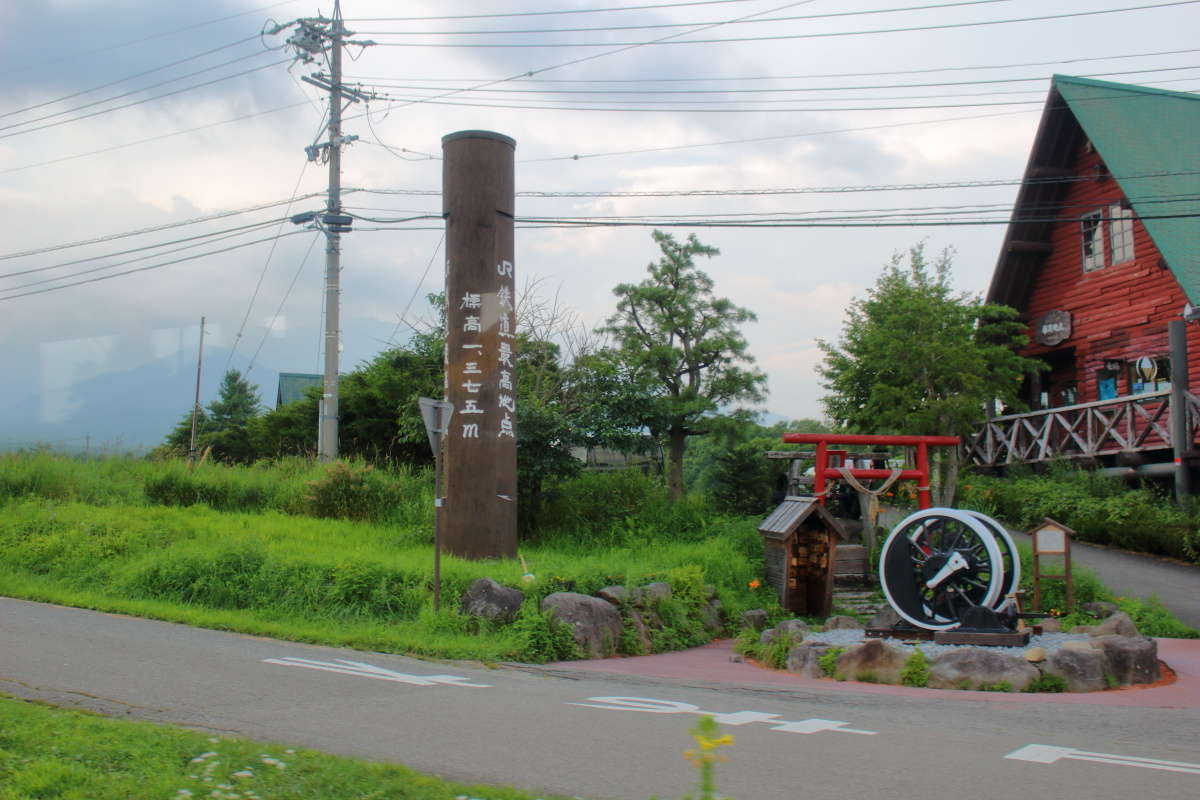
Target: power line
<point>128,105</point>
<point>797,89</point>
<point>148,268</point>
<point>154,229</point>
<point>286,295</point>
<point>236,232</point>
<point>662,25</point>
<point>745,78</point>
<point>796,36</point>
<point>559,222</point>
<point>655,6</point>
<point>152,37</point>
<point>157,246</point>
<point>403,318</point>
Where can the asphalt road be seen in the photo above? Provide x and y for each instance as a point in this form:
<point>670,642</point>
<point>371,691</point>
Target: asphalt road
<point>1139,575</point>
<point>549,732</point>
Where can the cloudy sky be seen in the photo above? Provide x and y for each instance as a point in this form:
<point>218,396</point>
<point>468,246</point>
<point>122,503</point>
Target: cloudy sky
<point>123,117</point>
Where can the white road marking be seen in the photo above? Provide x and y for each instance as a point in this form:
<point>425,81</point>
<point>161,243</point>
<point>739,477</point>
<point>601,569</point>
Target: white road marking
<point>357,668</point>
<point>648,705</point>
<point>1049,754</point>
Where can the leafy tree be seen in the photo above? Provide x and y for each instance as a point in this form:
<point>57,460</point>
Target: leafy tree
<point>684,343</point>
<point>915,357</point>
<point>223,428</point>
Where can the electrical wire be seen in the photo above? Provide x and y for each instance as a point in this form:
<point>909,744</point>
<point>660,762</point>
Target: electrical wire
<point>266,265</point>
<point>655,6</point>
<point>662,25</point>
<point>149,139</point>
<point>132,104</point>
<point>745,78</point>
<point>219,236</point>
<point>157,246</point>
<point>279,310</point>
<point>1041,79</point>
<point>403,319</point>
<point>142,231</point>
<point>147,268</point>
<point>798,36</point>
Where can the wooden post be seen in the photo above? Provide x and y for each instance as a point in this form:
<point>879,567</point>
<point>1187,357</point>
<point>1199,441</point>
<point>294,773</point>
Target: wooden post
<point>480,512</point>
<point>1181,443</point>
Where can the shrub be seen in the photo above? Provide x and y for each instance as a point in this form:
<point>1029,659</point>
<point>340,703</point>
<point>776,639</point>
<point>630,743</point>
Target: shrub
<point>828,661</point>
<point>775,652</point>
<point>1047,683</point>
<point>542,637</point>
<point>916,670</point>
<point>1152,618</point>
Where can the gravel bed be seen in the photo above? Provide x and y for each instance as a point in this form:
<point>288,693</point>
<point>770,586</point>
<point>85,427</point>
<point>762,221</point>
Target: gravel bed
<point>846,638</point>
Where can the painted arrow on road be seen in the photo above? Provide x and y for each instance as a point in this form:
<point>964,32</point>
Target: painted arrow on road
<point>1048,754</point>
<point>649,705</point>
<point>357,668</point>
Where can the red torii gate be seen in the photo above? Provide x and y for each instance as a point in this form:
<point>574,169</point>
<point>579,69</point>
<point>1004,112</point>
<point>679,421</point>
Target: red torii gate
<point>823,472</point>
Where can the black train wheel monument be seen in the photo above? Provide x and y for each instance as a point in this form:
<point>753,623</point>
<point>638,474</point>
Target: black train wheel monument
<point>952,578</point>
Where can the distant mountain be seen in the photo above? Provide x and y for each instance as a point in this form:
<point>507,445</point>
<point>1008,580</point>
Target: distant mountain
<point>132,410</point>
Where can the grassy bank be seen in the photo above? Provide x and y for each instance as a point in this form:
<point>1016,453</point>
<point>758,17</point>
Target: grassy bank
<point>343,582</point>
<point>50,753</point>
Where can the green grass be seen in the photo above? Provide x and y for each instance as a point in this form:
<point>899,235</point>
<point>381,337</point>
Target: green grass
<point>335,582</point>
<point>68,755</point>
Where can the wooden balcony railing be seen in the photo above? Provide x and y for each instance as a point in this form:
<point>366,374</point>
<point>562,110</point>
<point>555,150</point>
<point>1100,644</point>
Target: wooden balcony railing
<point>1087,430</point>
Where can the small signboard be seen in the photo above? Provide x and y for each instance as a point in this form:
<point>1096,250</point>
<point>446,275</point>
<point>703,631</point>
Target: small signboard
<point>1051,539</point>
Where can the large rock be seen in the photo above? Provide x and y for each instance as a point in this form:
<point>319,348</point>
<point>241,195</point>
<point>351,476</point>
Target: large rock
<point>1118,624</point>
<point>755,618</point>
<point>614,594</point>
<point>712,616</point>
<point>975,667</point>
<point>874,660</point>
<point>488,599</point>
<point>884,618</point>
<point>1129,659</point>
<point>1080,665</point>
<point>651,593</point>
<point>645,642</point>
<point>840,623</point>
<point>595,623</point>
<point>804,659</point>
<point>1100,609</point>
<point>796,628</point>
<point>1050,625</point>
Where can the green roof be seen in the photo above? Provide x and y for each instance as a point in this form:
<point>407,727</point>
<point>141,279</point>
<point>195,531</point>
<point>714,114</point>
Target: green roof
<point>294,386</point>
<point>1149,140</point>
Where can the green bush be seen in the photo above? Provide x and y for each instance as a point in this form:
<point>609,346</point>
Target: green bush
<point>1047,683</point>
<point>543,638</point>
<point>1099,509</point>
<point>916,670</point>
<point>827,661</point>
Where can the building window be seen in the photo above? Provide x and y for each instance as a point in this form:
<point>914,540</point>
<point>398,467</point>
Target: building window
<point>1140,383</point>
<point>1106,385</point>
<point>1093,240</point>
<point>1120,233</point>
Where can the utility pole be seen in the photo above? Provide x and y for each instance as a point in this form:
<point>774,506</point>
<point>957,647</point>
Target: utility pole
<point>196,405</point>
<point>319,36</point>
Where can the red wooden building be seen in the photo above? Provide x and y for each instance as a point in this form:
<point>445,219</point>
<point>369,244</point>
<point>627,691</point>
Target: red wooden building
<point>1103,251</point>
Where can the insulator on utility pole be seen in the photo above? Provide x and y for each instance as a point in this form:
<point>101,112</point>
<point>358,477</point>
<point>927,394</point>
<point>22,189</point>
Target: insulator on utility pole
<point>313,37</point>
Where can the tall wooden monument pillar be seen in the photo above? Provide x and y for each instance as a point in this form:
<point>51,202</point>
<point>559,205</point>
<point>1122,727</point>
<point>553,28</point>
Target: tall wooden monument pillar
<point>479,515</point>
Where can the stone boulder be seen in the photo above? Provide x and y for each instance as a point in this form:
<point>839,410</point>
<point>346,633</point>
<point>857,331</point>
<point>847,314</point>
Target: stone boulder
<point>1050,625</point>
<point>1035,655</point>
<point>796,628</point>
<point>841,623</point>
<point>884,618</point>
<point>645,641</point>
<point>595,623</point>
<point>755,619</point>
<point>1080,665</point>
<point>874,660</point>
<point>614,594</point>
<point>804,659</point>
<point>1100,609</point>
<point>1129,659</point>
<point>1119,624</point>
<point>651,593</point>
<point>487,599</point>
<point>975,667</point>
<point>712,616</point>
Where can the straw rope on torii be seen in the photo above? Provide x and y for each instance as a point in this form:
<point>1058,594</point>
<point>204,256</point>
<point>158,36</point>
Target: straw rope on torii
<point>872,497</point>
